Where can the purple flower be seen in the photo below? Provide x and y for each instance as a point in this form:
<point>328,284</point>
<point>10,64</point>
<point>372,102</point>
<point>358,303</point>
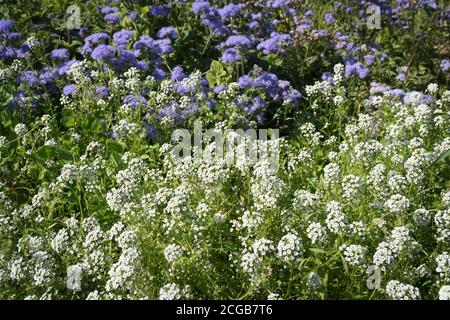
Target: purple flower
<point>163,46</point>
<point>29,78</point>
<point>355,68</point>
<point>93,40</point>
<point>10,36</point>
<point>151,131</point>
<point>142,65</point>
<point>6,26</point>
<point>135,101</point>
<point>101,92</point>
<point>445,65</point>
<point>59,54</point>
<point>291,95</point>
<point>133,15</point>
<point>415,97</point>
<point>230,55</point>
<point>220,88</point>
<point>69,90</point>
<point>103,52</point>
<point>329,18</point>
<point>177,74</point>
<point>108,9</point>
<point>278,3</point>
<point>245,81</point>
<point>112,18</point>
<point>121,38</point>
<point>369,59</point>
<point>266,80</point>
<point>327,76</point>
<point>396,92</point>
<point>144,44</point>
<point>213,21</point>
<point>257,103</point>
<point>64,69</point>
<point>238,42</point>
<point>200,6</point>
<point>378,88</point>
<point>274,43</point>
<point>46,76</point>
<point>160,10</point>
<point>123,61</point>
<point>167,32</point>
<point>230,10</point>
<point>159,74</point>
<point>401,77</point>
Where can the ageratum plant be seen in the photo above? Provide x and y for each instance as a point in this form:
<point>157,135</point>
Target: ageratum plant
<point>100,199</point>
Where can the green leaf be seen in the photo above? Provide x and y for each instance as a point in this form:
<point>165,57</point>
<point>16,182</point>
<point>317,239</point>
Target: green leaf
<point>344,263</point>
<point>45,153</point>
<point>216,73</point>
<point>68,121</point>
<point>114,146</point>
<point>442,157</point>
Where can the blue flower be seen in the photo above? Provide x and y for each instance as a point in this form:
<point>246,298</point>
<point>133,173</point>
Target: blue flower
<point>159,74</point>
<point>177,74</point>
<point>274,43</point>
<point>93,40</point>
<point>101,92</point>
<point>70,90</point>
<point>160,10</point>
<point>29,78</point>
<point>329,18</point>
<point>167,32</point>
<point>112,18</point>
<point>121,38</point>
<point>238,42</point>
<point>6,25</point>
<point>200,6</point>
<point>230,55</point>
<point>60,54</point>
<point>103,52</point>
<point>135,101</point>
<point>133,15</point>
<point>445,65</point>
<point>230,10</point>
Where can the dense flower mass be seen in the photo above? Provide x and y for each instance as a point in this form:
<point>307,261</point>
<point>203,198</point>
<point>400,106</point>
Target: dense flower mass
<point>331,181</point>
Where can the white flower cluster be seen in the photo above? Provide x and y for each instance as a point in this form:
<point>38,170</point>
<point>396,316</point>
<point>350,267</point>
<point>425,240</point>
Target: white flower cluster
<point>353,254</point>
<point>336,220</point>
<point>290,248</point>
<point>399,291</point>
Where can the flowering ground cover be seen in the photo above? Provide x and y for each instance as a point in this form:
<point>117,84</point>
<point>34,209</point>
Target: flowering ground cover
<point>264,149</point>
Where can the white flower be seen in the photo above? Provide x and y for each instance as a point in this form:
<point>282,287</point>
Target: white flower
<point>20,129</point>
<point>433,88</point>
<point>399,291</point>
<point>172,253</point>
<point>444,293</point>
<point>353,254</point>
<point>443,265</point>
<point>331,173</point>
<point>73,281</point>
<point>336,220</point>
<point>170,291</point>
<point>290,248</point>
<point>314,282</point>
<point>316,233</point>
<point>397,204</point>
<point>273,296</point>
